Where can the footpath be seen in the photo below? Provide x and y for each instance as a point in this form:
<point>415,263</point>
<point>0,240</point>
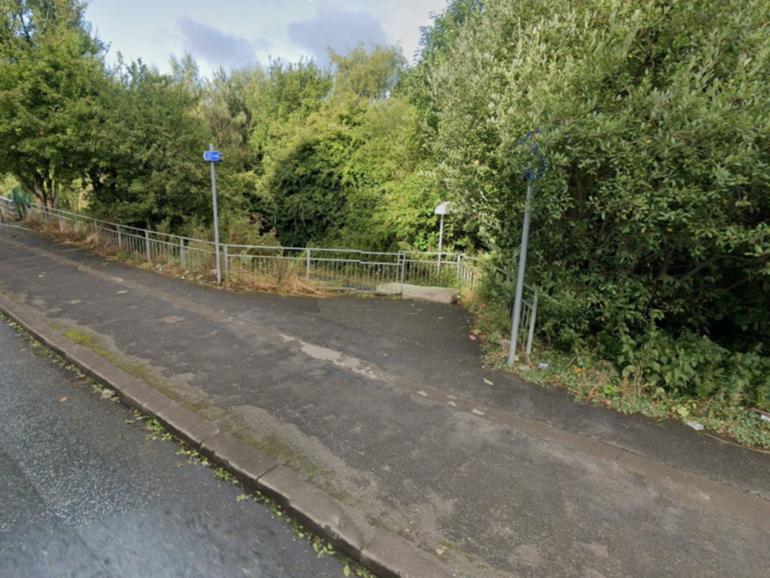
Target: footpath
<point>434,464</point>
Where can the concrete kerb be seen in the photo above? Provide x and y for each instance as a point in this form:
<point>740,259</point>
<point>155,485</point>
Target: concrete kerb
<point>385,553</point>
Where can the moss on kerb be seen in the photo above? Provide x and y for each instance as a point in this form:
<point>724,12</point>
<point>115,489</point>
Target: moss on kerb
<point>272,446</point>
<point>88,341</point>
<point>139,370</point>
<point>91,342</point>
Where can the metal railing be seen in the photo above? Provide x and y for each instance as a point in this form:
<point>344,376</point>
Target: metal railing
<point>343,269</point>
<point>334,269</point>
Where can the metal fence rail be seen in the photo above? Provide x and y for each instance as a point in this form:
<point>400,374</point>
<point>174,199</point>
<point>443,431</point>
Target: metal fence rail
<point>346,269</point>
<point>334,269</point>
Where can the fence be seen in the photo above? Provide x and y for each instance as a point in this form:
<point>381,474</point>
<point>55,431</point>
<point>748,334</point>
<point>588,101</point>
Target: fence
<point>334,269</point>
<point>341,269</point>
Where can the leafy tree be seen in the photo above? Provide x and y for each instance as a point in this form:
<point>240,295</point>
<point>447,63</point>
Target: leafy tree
<point>50,72</point>
<point>654,211</point>
<point>225,110</point>
<point>370,75</point>
<point>436,44</point>
<point>363,148</point>
<point>280,95</point>
<point>311,189</point>
<point>145,155</point>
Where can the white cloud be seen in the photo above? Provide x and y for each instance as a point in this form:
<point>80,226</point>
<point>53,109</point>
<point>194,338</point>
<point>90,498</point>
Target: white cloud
<point>216,47</point>
<point>250,30</point>
<point>339,29</point>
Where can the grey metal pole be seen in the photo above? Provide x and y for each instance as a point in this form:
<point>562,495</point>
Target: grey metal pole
<point>440,243</point>
<point>520,276</point>
<point>227,262</point>
<point>147,245</point>
<point>216,216</point>
<point>532,317</point>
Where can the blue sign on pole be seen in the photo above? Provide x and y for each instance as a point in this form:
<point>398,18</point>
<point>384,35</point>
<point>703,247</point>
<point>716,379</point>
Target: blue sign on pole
<point>212,156</point>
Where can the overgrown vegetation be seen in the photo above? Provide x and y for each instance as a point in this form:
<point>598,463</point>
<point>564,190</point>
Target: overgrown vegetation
<point>650,226</point>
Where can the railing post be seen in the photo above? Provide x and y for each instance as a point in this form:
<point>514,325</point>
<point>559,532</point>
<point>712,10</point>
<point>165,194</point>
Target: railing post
<point>307,264</point>
<point>402,269</point>
<point>182,256</point>
<point>533,314</point>
<point>120,237</point>
<point>457,268</point>
<point>227,261</point>
<point>147,245</point>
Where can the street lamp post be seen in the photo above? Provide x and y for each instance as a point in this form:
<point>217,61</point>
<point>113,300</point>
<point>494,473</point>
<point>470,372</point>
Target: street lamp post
<point>531,174</point>
<point>441,210</point>
<point>520,277</point>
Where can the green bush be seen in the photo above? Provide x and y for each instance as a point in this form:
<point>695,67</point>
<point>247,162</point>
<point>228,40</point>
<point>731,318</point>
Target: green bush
<point>650,227</point>
<point>694,366</point>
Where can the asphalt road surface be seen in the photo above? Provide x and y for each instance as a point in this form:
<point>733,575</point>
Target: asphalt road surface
<point>385,405</point>
<point>86,493</point>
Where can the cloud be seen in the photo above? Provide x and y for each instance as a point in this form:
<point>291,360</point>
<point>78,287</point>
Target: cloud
<point>214,46</point>
<point>339,29</point>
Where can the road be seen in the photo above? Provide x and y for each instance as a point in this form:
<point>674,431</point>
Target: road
<point>86,493</point>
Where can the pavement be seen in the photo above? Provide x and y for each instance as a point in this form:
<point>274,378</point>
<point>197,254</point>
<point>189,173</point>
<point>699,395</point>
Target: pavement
<point>86,492</point>
<point>384,405</point>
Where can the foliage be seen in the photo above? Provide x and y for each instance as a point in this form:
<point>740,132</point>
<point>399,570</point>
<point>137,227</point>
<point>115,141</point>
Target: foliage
<point>50,70</point>
<point>368,75</point>
<point>7,184</point>
<point>354,172</point>
<point>652,216</point>
<point>649,233</point>
<point>144,163</point>
<point>600,383</point>
<point>312,189</point>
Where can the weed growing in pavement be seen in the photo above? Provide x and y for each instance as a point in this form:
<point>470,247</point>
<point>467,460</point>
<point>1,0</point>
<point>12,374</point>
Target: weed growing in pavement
<point>224,476</point>
<point>157,431</point>
<point>54,357</point>
<point>193,456</point>
<point>320,546</point>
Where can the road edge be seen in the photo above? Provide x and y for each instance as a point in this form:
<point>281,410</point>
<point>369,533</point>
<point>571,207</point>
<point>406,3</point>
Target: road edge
<point>385,553</point>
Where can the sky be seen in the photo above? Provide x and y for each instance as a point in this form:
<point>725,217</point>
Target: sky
<point>236,33</point>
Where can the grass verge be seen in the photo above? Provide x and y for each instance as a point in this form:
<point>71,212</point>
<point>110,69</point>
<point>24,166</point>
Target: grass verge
<point>286,279</point>
<point>598,382</point>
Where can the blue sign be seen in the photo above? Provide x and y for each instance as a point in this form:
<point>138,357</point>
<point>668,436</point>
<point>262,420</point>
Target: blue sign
<point>212,156</point>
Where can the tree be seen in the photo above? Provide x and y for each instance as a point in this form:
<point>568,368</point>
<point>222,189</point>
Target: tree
<point>653,214</point>
<point>50,72</point>
<point>370,75</point>
<point>353,172</point>
<point>145,165</point>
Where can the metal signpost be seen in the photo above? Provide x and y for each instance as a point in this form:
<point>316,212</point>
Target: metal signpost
<point>213,157</point>
<point>442,209</point>
<point>531,174</point>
